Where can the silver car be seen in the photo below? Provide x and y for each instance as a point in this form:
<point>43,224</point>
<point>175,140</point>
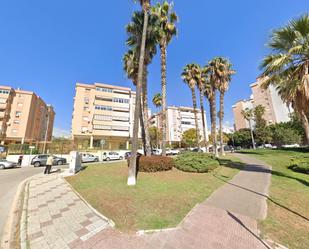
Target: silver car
<point>5,164</point>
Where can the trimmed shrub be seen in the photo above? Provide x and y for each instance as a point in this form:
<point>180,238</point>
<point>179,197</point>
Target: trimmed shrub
<point>300,164</point>
<point>155,163</point>
<point>196,162</point>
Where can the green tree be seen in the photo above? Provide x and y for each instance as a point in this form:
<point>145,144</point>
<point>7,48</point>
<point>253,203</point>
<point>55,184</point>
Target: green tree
<point>189,137</point>
<point>241,138</point>
<point>132,167</point>
<point>284,136</point>
<point>287,67</point>
<point>189,76</point>
<point>259,112</point>
<point>155,136</point>
<point>166,24</point>
<point>249,115</point>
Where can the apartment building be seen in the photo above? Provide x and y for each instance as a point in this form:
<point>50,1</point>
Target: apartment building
<point>275,110</point>
<point>103,116</point>
<point>239,121</point>
<point>179,120</point>
<point>24,117</point>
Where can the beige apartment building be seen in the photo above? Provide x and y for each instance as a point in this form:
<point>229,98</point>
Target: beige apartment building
<point>24,117</point>
<point>276,110</point>
<point>179,120</point>
<point>103,116</point>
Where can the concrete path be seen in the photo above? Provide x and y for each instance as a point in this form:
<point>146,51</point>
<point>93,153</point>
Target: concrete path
<point>247,192</point>
<point>58,218</point>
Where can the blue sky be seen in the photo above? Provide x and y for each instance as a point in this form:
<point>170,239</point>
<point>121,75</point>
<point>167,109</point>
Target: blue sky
<point>47,46</point>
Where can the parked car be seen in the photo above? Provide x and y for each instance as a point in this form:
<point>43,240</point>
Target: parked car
<point>5,164</point>
<point>40,160</point>
<point>107,156</point>
<point>89,158</point>
<point>172,152</point>
<point>127,155</point>
<point>156,152</point>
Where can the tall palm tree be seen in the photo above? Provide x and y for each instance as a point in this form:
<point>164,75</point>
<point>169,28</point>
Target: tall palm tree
<point>134,29</point>
<point>287,67</point>
<point>189,76</point>
<point>201,80</point>
<point>132,167</point>
<point>209,92</point>
<point>157,100</point>
<point>167,30</point>
<point>249,115</point>
<point>222,84</point>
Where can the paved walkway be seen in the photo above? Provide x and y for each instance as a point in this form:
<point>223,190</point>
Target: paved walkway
<point>58,218</point>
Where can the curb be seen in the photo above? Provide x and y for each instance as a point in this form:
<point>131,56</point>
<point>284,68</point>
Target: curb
<point>109,221</point>
<point>8,234</point>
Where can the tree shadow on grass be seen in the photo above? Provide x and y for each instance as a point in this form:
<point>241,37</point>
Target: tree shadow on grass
<point>265,196</point>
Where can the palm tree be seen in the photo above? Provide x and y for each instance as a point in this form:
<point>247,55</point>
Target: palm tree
<point>209,92</point>
<point>249,115</point>
<point>132,167</point>
<point>167,30</point>
<point>157,100</point>
<point>189,76</point>
<point>201,80</point>
<point>222,84</point>
<point>287,67</point>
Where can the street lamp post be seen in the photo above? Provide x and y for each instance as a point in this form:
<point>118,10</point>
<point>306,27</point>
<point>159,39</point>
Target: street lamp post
<point>46,133</point>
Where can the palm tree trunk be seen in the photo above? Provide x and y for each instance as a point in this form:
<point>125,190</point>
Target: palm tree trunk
<point>197,130</point>
<point>305,124</point>
<point>142,127</point>
<point>221,115</point>
<point>132,167</point>
<point>163,86</point>
<point>145,113</point>
<point>252,136</point>
<point>203,120</point>
<point>214,125</point>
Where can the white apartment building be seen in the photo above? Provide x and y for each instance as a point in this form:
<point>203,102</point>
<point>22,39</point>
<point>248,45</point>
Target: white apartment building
<point>179,120</point>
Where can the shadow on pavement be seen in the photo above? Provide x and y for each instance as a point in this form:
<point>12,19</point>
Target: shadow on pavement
<point>244,226</point>
<point>263,195</point>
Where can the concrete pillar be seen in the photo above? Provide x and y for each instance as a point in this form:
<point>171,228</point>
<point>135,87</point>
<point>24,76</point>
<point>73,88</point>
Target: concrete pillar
<point>127,145</point>
<point>109,145</point>
<point>23,140</point>
<point>91,142</point>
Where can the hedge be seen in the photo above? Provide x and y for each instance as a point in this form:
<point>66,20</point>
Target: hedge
<point>196,162</point>
<point>154,163</point>
<point>300,164</point>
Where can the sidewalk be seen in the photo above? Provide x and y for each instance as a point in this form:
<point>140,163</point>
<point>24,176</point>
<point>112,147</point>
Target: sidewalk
<point>58,218</point>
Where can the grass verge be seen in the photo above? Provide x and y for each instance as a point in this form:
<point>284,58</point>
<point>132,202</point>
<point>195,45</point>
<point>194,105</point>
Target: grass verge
<point>159,200</point>
<point>287,219</point>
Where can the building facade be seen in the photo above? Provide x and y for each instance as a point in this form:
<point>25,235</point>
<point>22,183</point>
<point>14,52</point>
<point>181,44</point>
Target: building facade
<point>239,121</point>
<point>103,116</point>
<point>24,117</point>
<point>275,110</point>
<point>179,120</point>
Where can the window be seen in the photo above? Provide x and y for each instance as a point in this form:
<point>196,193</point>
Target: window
<point>121,128</point>
<point>103,108</point>
<point>3,91</point>
<point>16,122</point>
<point>84,128</point>
<point>86,108</point>
<point>185,123</point>
<point>17,114</point>
<point>2,101</point>
<point>14,131</point>
<point>103,117</point>
<point>20,104</point>
<point>87,89</point>
<point>85,118</point>
<point>86,100</point>
<point>104,89</point>
<point>102,127</point>
<point>117,118</point>
<point>120,100</point>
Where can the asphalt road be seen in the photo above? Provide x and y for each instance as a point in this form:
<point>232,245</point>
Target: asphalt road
<point>9,181</point>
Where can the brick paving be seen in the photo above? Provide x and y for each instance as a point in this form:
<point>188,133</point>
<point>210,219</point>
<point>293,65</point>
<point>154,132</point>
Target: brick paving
<point>58,218</point>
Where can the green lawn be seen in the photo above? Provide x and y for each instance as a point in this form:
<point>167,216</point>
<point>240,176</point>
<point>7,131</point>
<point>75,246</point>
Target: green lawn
<point>159,200</point>
<point>288,208</point>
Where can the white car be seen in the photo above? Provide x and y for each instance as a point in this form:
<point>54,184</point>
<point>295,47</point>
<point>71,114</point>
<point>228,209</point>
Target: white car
<point>88,158</point>
<point>172,152</point>
<point>107,156</point>
<point>157,152</point>
<point>4,164</point>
